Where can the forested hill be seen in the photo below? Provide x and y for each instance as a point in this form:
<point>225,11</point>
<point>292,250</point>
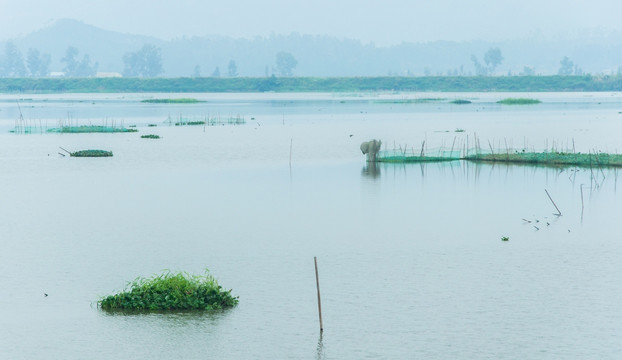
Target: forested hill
<point>103,51</point>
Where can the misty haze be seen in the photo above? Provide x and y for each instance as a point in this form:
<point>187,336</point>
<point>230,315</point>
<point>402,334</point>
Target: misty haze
<point>108,53</point>
<point>310,180</point>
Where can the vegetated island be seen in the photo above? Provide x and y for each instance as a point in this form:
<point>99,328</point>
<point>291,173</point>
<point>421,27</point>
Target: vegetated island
<point>150,136</point>
<point>91,153</point>
<point>591,159</point>
<point>519,101</point>
<point>554,158</point>
<point>315,84</point>
<point>90,129</point>
<point>172,101</point>
<point>171,291</point>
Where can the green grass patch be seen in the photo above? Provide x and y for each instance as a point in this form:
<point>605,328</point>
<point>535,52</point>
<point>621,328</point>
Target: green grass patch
<point>172,101</point>
<point>91,153</point>
<point>596,159</point>
<point>518,101</point>
<point>171,291</point>
<point>150,136</point>
<point>90,129</point>
<point>460,102</point>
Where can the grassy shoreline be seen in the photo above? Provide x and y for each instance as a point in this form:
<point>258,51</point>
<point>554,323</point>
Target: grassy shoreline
<point>314,84</point>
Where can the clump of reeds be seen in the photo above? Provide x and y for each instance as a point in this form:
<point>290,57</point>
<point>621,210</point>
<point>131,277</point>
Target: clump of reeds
<point>91,153</point>
<point>460,102</point>
<point>150,136</point>
<point>198,122</point>
<point>171,291</point>
<point>591,159</point>
<point>90,129</point>
<point>519,101</point>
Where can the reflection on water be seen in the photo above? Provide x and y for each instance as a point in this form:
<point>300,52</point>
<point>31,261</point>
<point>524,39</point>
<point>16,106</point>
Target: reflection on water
<point>371,170</point>
<point>319,351</point>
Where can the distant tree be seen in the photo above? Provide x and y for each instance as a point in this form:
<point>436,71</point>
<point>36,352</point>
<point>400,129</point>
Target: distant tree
<point>480,70</point>
<point>528,71</point>
<point>216,72</point>
<point>71,64</point>
<point>152,57</point>
<point>267,71</point>
<point>75,68</point>
<point>232,69</point>
<point>197,71</point>
<point>285,63</point>
<point>38,64</point>
<point>13,64</point>
<point>567,66</point>
<point>146,62</point>
<point>85,68</point>
<point>493,58</point>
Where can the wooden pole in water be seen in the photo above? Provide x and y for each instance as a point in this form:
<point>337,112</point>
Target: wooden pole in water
<point>547,193</point>
<point>319,301</point>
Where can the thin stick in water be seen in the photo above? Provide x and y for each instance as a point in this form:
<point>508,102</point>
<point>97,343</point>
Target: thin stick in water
<point>559,212</point>
<point>319,301</point>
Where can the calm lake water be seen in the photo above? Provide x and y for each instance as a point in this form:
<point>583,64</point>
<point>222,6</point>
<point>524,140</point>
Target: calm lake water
<point>410,257</point>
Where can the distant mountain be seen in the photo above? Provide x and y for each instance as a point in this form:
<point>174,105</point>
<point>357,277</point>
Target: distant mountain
<point>323,55</point>
<point>105,47</point>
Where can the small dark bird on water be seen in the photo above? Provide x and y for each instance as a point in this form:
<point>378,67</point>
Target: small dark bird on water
<point>45,294</point>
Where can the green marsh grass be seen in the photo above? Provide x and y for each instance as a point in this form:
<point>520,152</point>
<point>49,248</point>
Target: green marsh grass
<point>518,101</point>
<point>460,102</point>
<point>91,153</point>
<point>150,136</point>
<point>555,158</point>
<point>171,291</point>
<point>84,129</point>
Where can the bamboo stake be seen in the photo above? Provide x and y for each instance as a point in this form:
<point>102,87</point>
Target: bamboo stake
<point>547,193</point>
<point>319,301</point>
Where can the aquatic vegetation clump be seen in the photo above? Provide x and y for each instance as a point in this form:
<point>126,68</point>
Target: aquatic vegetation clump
<point>150,136</point>
<point>412,155</point>
<point>460,102</point>
<point>591,159</point>
<point>171,291</point>
<point>91,153</point>
<point>172,101</point>
<point>182,123</point>
<point>518,101</point>
<point>82,129</point>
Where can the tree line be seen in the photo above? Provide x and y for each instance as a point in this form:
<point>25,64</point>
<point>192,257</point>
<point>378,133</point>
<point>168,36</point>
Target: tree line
<point>144,63</point>
<point>147,63</point>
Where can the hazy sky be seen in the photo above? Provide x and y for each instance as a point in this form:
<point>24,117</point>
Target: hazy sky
<point>384,22</point>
